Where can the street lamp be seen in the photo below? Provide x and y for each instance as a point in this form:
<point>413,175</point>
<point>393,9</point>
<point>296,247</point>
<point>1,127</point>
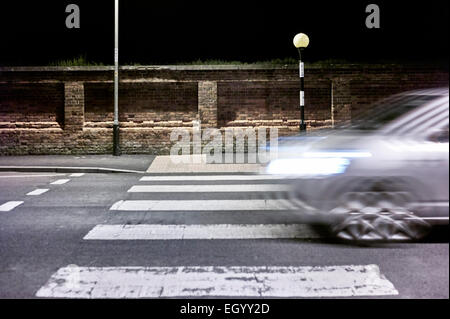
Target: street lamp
<point>116,149</point>
<point>301,41</point>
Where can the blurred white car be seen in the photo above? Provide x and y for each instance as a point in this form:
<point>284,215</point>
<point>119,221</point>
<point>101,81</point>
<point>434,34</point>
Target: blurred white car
<point>383,177</point>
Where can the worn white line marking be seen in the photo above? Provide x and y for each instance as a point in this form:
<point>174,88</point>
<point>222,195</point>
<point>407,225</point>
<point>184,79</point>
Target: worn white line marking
<point>27,176</point>
<point>212,231</point>
<point>6,207</point>
<point>76,174</point>
<point>211,178</point>
<point>208,188</point>
<point>60,181</point>
<point>206,281</point>
<point>38,191</point>
<point>203,205</point>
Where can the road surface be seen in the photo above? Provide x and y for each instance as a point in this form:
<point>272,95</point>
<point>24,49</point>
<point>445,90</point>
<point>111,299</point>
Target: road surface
<point>195,235</point>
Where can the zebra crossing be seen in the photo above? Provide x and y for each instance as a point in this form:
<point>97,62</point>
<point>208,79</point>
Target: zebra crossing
<point>218,231</point>
<point>150,195</point>
<point>202,205</point>
<point>211,281</point>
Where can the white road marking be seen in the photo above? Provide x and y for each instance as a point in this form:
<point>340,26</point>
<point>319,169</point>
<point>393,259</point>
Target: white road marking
<point>208,188</point>
<point>28,176</point>
<point>213,231</point>
<point>60,181</point>
<point>207,281</point>
<point>38,191</point>
<point>6,207</point>
<point>76,174</point>
<point>203,205</point>
<point>211,178</point>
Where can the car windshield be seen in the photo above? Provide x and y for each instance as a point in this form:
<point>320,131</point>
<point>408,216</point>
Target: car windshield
<point>372,117</point>
<point>385,111</point>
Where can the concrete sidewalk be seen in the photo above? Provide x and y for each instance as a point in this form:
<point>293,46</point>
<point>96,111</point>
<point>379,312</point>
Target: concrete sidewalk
<point>79,163</point>
<point>121,164</point>
<point>198,164</point>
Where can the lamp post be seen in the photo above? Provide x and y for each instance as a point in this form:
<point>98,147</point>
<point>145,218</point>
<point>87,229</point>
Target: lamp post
<point>301,41</point>
<point>116,149</point>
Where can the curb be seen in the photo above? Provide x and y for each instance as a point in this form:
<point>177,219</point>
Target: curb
<point>66,169</point>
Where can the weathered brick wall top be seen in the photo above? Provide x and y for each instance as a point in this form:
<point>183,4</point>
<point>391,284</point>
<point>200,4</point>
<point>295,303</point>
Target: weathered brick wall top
<point>208,72</point>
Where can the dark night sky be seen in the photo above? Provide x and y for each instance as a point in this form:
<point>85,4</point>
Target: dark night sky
<point>34,32</point>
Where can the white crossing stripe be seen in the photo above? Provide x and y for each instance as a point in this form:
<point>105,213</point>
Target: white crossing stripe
<point>203,205</point>
<point>171,178</point>
<point>217,281</point>
<point>60,181</point>
<point>6,207</point>
<point>208,188</point>
<point>212,231</point>
<point>38,191</point>
<point>76,174</point>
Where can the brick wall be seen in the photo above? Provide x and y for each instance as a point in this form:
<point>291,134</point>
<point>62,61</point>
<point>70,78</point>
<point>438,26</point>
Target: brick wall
<point>262,103</point>
<point>141,104</point>
<point>23,105</point>
<point>51,110</point>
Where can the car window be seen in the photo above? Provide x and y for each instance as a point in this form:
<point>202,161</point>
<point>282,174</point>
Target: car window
<point>381,113</point>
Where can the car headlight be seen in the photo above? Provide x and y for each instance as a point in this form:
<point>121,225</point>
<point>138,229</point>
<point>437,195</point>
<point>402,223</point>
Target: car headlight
<point>308,166</point>
<point>316,163</point>
<point>338,154</point>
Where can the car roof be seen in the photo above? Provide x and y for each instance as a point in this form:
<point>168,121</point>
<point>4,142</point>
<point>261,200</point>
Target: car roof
<point>434,91</point>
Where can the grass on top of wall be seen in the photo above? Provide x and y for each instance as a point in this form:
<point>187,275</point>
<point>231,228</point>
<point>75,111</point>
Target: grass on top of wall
<point>77,61</point>
<point>83,61</point>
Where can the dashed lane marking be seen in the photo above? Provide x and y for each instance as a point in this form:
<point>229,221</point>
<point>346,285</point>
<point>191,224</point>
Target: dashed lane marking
<point>8,206</point>
<point>38,191</point>
<point>60,181</point>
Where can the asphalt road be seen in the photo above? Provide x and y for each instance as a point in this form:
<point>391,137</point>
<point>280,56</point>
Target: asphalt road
<point>55,239</point>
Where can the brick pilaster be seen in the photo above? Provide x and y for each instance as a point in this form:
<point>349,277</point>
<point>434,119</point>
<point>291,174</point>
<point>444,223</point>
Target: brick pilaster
<point>341,101</point>
<point>207,103</point>
<point>73,106</point>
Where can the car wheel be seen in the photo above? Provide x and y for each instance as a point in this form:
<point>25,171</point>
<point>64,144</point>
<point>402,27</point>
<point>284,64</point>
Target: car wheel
<point>377,216</point>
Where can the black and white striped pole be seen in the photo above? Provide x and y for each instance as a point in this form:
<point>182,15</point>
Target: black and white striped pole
<point>301,41</point>
<point>116,148</point>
